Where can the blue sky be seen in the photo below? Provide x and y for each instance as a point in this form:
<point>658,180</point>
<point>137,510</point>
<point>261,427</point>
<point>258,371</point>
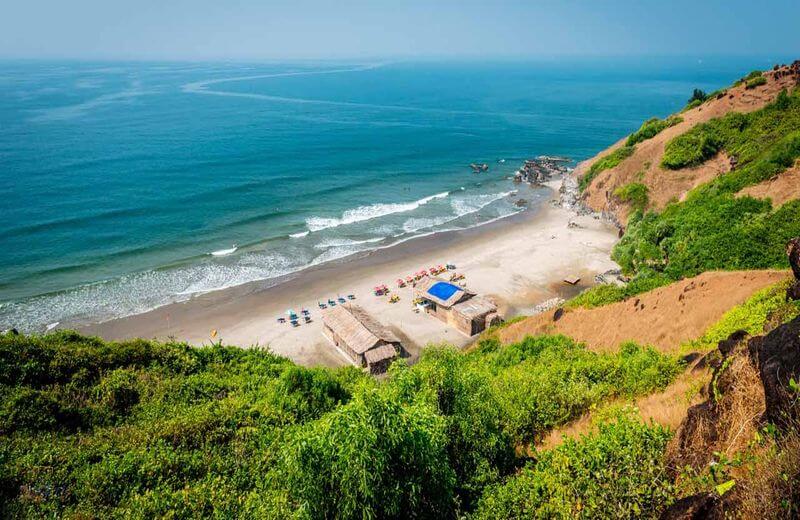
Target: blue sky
<point>265,29</point>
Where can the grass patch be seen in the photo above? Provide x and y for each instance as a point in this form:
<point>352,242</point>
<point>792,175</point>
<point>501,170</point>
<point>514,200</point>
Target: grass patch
<point>606,162</point>
<point>651,128</point>
<point>635,194</point>
<point>768,305</point>
<point>755,82</point>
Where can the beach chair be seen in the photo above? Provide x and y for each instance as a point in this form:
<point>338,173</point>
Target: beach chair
<point>308,319</point>
<point>331,303</point>
<point>281,320</point>
<point>295,323</point>
<point>400,282</point>
<point>342,300</point>
<point>351,296</point>
<point>322,305</point>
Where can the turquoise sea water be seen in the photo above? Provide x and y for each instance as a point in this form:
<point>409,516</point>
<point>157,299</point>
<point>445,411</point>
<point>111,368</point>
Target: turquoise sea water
<point>118,180</point>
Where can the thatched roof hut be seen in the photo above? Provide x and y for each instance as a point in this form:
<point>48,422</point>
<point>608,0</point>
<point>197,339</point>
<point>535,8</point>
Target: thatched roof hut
<point>366,341</point>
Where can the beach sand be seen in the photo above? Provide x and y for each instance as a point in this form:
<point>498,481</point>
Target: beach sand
<point>519,261</point>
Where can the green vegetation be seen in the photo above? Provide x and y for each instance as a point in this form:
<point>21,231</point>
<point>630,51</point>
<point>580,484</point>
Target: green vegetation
<point>605,294</point>
<point>756,82</point>
<point>767,305</point>
<point>606,162</point>
<point>143,429</point>
<point>651,128</point>
<point>698,98</point>
<point>618,472</point>
<point>713,229</point>
<point>635,194</point>
<point>748,136</point>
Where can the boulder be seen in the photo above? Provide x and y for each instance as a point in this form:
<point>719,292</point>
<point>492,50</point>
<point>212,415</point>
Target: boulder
<point>779,363</point>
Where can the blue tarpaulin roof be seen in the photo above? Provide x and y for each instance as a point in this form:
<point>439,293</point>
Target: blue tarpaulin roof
<point>443,290</point>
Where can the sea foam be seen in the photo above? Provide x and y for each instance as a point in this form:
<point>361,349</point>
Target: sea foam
<point>362,213</point>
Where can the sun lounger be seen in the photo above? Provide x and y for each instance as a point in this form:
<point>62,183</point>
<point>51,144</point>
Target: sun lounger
<point>351,296</point>
<point>342,300</point>
<point>308,319</point>
<point>295,323</point>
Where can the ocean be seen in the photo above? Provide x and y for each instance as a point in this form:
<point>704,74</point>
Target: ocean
<point>125,186</point>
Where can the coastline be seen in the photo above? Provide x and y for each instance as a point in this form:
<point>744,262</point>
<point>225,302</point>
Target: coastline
<point>519,261</point>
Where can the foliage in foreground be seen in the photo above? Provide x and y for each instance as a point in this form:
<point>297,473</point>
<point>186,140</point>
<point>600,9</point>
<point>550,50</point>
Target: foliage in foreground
<point>144,429</point>
<point>618,472</point>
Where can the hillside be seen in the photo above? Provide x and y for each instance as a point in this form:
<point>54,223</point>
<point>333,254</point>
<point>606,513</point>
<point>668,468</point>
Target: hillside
<point>644,165</point>
<point>666,317</point>
<point>673,394</point>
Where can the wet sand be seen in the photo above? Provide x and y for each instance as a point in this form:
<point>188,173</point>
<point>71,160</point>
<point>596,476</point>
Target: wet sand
<point>518,261</point>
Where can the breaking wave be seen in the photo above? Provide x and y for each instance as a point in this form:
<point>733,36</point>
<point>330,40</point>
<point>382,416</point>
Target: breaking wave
<point>362,213</point>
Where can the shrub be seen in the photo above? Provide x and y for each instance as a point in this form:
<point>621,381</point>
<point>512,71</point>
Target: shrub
<point>651,128</point>
<point>635,194</point>
<point>374,458</point>
<point>606,162</point>
<point>692,148</point>
<point>756,82</point>
<point>619,472</point>
<point>697,95</point>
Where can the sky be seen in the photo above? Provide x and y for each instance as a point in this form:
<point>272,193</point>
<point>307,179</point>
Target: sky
<point>340,29</point>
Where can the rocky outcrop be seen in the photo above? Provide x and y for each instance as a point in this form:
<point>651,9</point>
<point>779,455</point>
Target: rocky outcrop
<point>541,169</point>
<point>779,364</point>
<point>793,251</point>
<point>751,386</point>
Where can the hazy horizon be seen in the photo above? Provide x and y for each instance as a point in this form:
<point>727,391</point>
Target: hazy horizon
<point>319,30</point>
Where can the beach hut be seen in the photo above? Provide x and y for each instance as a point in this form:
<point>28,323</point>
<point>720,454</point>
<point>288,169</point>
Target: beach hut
<point>360,337</point>
<point>469,313</point>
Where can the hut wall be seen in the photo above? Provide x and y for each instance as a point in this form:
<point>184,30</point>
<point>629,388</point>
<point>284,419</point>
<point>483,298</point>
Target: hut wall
<point>339,342</point>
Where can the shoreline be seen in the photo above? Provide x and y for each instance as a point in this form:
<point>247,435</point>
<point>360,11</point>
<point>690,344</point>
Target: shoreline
<point>519,261</point>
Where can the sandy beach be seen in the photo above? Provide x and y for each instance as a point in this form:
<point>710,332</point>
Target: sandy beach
<point>519,261</point>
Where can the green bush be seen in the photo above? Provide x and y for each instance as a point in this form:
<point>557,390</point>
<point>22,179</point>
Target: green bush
<point>606,162</point>
<point>651,128</point>
<point>635,194</point>
<point>691,149</point>
<point>144,429</point>
<point>619,472</point>
<point>756,82</point>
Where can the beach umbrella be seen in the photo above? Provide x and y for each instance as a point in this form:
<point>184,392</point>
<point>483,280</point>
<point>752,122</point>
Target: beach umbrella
<point>290,312</point>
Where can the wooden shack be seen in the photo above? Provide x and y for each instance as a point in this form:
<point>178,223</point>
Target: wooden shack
<point>360,337</point>
<point>456,306</point>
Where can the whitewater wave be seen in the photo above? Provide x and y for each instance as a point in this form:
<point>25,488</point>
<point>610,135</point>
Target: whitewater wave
<point>461,208</point>
<point>362,213</point>
<point>346,242</point>
<point>465,206</point>
<point>301,234</point>
<point>224,252</point>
